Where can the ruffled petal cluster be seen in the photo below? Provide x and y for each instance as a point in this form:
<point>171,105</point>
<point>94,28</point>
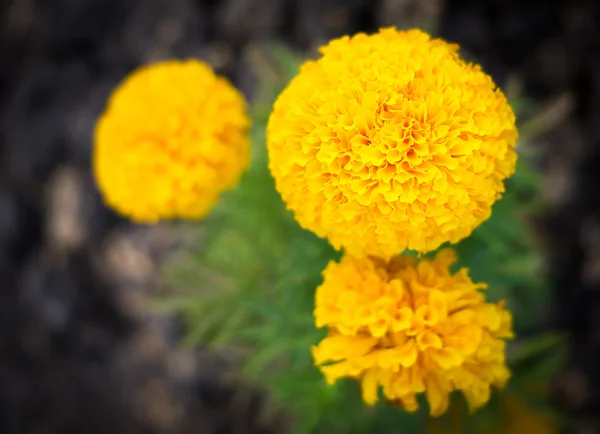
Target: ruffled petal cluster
<point>410,327</point>
<point>391,141</point>
<point>173,137</point>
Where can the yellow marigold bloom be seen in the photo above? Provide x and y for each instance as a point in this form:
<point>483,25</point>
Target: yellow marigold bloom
<point>173,137</point>
<point>391,141</point>
<point>411,327</point>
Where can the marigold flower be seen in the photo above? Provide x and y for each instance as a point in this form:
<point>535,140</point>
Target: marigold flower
<point>411,327</point>
<point>391,141</point>
<point>174,136</point>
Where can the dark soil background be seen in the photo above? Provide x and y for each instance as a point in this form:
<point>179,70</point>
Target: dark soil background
<point>78,351</point>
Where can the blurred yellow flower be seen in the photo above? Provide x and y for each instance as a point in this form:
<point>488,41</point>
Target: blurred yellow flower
<point>411,327</point>
<point>514,415</point>
<point>391,141</point>
<point>519,417</point>
<point>173,137</point>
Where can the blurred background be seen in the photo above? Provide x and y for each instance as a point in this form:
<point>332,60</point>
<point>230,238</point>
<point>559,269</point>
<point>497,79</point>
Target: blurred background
<point>83,350</point>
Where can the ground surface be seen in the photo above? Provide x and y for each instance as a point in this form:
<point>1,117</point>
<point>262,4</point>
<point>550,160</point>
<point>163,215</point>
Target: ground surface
<point>78,353</point>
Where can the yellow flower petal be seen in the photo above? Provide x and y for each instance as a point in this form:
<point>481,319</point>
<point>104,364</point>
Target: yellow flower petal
<point>370,384</point>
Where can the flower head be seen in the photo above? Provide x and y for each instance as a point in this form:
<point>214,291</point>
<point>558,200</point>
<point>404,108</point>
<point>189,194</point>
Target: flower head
<point>173,137</point>
<point>411,327</point>
<point>391,141</point>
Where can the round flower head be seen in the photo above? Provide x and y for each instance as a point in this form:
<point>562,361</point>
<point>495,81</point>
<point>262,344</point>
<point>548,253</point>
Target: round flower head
<point>411,327</point>
<point>389,142</point>
<point>173,137</point>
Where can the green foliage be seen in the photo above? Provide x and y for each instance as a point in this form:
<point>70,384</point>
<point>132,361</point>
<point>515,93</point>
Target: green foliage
<point>249,284</point>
